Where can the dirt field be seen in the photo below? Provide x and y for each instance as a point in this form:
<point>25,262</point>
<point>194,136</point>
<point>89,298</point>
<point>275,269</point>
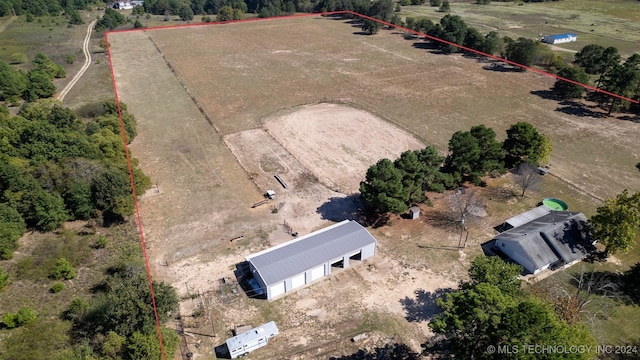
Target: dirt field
<point>211,165</point>
<point>338,144</point>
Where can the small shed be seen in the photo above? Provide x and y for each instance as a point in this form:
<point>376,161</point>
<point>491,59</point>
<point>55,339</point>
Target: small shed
<point>414,212</point>
<point>271,194</point>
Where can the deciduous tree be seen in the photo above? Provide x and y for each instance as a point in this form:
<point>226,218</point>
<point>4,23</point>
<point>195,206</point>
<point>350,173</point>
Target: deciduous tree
<point>185,13</point>
<point>491,310</point>
<point>495,271</point>
<point>527,177</point>
<point>370,26</point>
<point>225,14</point>
<point>445,7</point>
<point>452,29</point>
<point>471,318</point>
<point>39,86</point>
<point>462,207</point>
<point>615,224</point>
<point>43,63</point>
<point>12,227</point>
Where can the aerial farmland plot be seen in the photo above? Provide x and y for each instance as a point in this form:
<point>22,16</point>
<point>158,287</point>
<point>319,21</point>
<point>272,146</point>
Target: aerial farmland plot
<point>221,109</point>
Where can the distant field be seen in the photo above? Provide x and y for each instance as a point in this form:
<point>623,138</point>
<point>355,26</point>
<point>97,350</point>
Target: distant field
<point>608,23</point>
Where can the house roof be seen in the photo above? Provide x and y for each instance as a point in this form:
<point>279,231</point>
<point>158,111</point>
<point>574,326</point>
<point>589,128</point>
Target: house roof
<point>530,250</point>
<point>558,235</point>
<point>570,239</point>
<point>294,257</point>
<point>528,216</point>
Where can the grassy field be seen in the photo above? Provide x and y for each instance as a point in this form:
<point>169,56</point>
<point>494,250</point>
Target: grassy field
<point>228,79</point>
<point>239,79</point>
<point>608,23</point>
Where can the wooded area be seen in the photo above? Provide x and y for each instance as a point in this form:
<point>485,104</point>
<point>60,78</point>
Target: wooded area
<point>55,168</point>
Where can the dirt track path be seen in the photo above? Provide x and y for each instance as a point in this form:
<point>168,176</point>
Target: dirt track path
<point>558,48</point>
<point>4,26</point>
<point>87,63</point>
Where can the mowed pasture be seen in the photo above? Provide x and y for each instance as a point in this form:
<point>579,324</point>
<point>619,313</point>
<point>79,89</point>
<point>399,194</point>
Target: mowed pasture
<point>216,109</point>
<point>240,73</point>
<point>607,23</point>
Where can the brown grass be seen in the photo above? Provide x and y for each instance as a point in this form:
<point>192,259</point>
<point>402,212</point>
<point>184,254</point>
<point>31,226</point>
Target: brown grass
<point>190,88</point>
<point>240,73</point>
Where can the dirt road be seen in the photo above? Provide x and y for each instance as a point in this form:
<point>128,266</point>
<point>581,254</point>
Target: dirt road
<point>87,62</point>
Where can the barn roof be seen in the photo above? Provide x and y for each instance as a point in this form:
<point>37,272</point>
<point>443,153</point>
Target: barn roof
<point>560,36</point>
<point>294,257</point>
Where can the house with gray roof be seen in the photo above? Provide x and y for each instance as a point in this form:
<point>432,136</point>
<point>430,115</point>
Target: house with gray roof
<point>557,239</point>
<point>289,266</point>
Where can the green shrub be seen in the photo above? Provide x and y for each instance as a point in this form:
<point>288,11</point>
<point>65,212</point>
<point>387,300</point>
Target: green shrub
<point>63,270</point>
<point>19,58</point>
<point>57,287</point>
<point>101,242</point>
<point>4,279</point>
<point>70,59</point>
<point>22,317</point>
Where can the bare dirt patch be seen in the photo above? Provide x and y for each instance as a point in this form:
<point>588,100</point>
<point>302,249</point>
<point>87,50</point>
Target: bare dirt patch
<point>339,143</point>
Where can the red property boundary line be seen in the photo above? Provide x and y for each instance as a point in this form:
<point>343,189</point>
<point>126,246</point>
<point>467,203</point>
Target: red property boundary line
<point>589,87</point>
<point>135,201</point>
<point>124,136</point>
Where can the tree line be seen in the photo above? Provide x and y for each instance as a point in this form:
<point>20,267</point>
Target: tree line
<point>55,167</point>
<point>118,321</point>
<point>37,83</point>
<point>42,7</point>
<point>394,186</point>
<point>604,68</point>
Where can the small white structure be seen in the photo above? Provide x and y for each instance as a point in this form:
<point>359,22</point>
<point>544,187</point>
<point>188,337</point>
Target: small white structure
<point>414,212</point>
<point>559,38</point>
<point>253,339</point>
<point>271,194</point>
<point>126,5</point>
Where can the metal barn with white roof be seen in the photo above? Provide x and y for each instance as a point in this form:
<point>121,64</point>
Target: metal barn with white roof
<point>286,267</point>
<point>559,38</point>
